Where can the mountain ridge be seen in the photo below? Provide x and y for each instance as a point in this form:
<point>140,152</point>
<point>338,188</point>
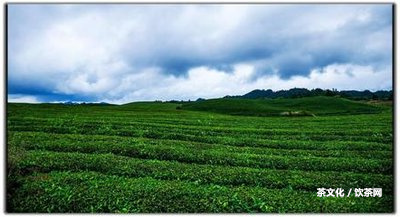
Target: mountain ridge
<point>303,92</point>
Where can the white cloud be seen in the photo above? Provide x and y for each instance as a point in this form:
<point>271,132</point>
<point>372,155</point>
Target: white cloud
<point>210,83</point>
<point>125,53</point>
<point>22,98</point>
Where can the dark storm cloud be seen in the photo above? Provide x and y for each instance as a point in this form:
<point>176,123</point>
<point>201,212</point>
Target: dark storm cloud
<point>95,50</point>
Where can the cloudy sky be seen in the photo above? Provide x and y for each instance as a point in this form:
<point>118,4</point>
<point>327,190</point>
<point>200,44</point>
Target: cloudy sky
<point>124,53</point>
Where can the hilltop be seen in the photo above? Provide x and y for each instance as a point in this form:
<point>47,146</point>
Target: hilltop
<point>303,92</point>
<point>306,106</point>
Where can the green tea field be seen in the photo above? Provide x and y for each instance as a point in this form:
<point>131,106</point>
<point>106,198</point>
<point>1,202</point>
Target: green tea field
<point>214,156</point>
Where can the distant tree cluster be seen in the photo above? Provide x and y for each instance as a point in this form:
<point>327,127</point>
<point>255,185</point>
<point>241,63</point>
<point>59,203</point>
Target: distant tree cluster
<point>303,92</point>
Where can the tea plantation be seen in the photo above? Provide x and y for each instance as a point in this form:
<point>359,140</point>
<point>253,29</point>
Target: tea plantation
<point>214,156</point>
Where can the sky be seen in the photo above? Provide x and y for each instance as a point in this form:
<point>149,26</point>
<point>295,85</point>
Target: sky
<point>136,52</point>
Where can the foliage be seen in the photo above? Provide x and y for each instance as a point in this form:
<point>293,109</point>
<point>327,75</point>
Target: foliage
<point>307,106</point>
<point>303,92</point>
<point>151,157</point>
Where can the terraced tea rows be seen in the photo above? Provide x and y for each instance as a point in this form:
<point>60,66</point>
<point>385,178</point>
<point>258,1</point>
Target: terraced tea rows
<point>152,157</point>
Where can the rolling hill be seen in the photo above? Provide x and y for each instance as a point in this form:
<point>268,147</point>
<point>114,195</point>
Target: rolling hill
<point>306,106</point>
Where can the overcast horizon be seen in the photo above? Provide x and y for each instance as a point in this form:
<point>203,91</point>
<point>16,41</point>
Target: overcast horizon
<point>135,52</point>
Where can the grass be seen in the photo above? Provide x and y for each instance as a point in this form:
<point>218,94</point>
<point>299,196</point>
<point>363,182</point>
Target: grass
<point>307,106</point>
<point>151,157</point>
<point>94,192</point>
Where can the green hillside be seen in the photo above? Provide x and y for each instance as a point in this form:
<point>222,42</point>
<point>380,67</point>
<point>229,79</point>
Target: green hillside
<point>307,106</point>
<point>149,106</point>
<point>150,157</point>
